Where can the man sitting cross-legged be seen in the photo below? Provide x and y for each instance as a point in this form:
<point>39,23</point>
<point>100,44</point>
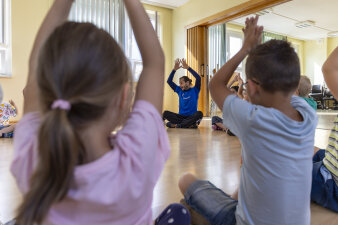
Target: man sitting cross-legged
<point>188,116</point>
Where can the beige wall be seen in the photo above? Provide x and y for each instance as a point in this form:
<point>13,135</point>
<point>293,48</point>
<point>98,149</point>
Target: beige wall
<point>316,52</point>
<point>300,45</point>
<point>26,19</point>
<point>332,43</point>
<point>315,55</point>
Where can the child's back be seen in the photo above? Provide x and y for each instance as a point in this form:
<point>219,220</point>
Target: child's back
<point>67,164</point>
<point>276,131</point>
<point>118,187</point>
<point>276,172</point>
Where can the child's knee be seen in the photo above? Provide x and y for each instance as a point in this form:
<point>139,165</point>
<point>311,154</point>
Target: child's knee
<point>185,181</point>
<point>165,114</point>
<point>199,114</point>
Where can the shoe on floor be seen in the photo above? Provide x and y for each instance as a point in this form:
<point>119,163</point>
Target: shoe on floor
<point>170,125</point>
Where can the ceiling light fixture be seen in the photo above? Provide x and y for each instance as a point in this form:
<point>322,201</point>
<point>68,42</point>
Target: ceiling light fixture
<point>305,24</point>
<point>264,12</point>
<point>332,34</point>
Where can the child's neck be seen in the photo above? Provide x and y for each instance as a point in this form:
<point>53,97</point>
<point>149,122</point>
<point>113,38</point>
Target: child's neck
<point>282,103</point>
<point>96,143</point>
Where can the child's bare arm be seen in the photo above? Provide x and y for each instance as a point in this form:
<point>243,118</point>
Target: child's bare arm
<point>57,15</point>
<point>151,83</point>
<point>330,71</point>
<point>252,37</point>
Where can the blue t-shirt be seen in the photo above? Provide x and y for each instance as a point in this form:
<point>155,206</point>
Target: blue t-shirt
<point>276,173</point>
<point>187,100</point>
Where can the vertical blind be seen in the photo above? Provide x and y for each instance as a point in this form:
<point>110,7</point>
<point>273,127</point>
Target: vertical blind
<point>111,16</point>
<point>217,47</point>
<point>105,14</point>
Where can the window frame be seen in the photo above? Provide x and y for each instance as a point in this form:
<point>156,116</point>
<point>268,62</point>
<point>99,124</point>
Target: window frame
<point>6,39</point>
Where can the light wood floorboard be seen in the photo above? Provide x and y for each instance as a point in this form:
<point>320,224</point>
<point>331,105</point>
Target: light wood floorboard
<point>211,155</point>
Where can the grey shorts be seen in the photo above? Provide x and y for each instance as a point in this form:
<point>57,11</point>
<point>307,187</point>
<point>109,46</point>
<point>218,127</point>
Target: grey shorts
<point>211,202</point>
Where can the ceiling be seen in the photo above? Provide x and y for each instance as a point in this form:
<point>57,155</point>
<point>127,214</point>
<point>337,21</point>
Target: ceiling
<point>166,3</point>
<point>282,19</point>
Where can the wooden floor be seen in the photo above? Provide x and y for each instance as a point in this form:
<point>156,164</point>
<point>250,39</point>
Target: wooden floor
<point>209,154</point>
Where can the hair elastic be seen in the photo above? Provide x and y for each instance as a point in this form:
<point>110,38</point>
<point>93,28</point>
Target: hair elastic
<point>61,104</point>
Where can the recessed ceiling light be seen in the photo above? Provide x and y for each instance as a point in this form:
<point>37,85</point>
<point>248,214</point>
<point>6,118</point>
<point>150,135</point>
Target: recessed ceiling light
<point>332,34</point>
<point>305,24</point>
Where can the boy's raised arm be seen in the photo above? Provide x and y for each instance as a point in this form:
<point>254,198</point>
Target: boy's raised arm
<point>252,37</point>
<point>150,85</point>
<point>330,71</point>
<point>57,15</point>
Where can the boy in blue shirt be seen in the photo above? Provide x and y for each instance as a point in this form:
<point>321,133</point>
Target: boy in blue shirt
<point>188,116</point>
<point>276,130</point>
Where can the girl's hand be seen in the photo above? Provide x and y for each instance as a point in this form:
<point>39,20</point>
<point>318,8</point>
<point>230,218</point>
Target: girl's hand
<point>252,34</point>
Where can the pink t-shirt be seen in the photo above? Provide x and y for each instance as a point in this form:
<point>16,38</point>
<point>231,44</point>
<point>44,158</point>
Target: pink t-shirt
<point>116,188</point>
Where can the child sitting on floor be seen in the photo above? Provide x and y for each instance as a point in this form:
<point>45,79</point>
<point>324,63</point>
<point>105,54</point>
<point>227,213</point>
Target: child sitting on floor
<point>67,164</point>
<point>303,91</point>
<point>276,131</point>
<point>188,116</point>
<point>7,110</point>
<point>216,121</point>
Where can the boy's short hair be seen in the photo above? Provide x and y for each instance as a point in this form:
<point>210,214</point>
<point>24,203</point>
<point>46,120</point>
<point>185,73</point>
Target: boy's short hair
<point>275,65</point>
<point>304,87</point>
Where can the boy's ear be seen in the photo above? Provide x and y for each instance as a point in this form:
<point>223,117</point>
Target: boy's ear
<point>253,89</point>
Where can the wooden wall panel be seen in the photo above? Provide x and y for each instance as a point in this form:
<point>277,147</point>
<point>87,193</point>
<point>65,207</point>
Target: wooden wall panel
<point>196,51</point>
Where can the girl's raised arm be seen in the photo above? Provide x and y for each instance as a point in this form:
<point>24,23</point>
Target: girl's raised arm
<point>57,15</point>
<point>151,83</point>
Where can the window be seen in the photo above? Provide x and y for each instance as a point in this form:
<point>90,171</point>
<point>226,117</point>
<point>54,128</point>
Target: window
<point>234,42</point>
<point>270,36</point>
<point>111,16</point>
<point>131,48</point>
<point>5,39</point>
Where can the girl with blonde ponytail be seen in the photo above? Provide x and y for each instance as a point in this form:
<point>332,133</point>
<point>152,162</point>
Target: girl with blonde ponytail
<point>67,164</point>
